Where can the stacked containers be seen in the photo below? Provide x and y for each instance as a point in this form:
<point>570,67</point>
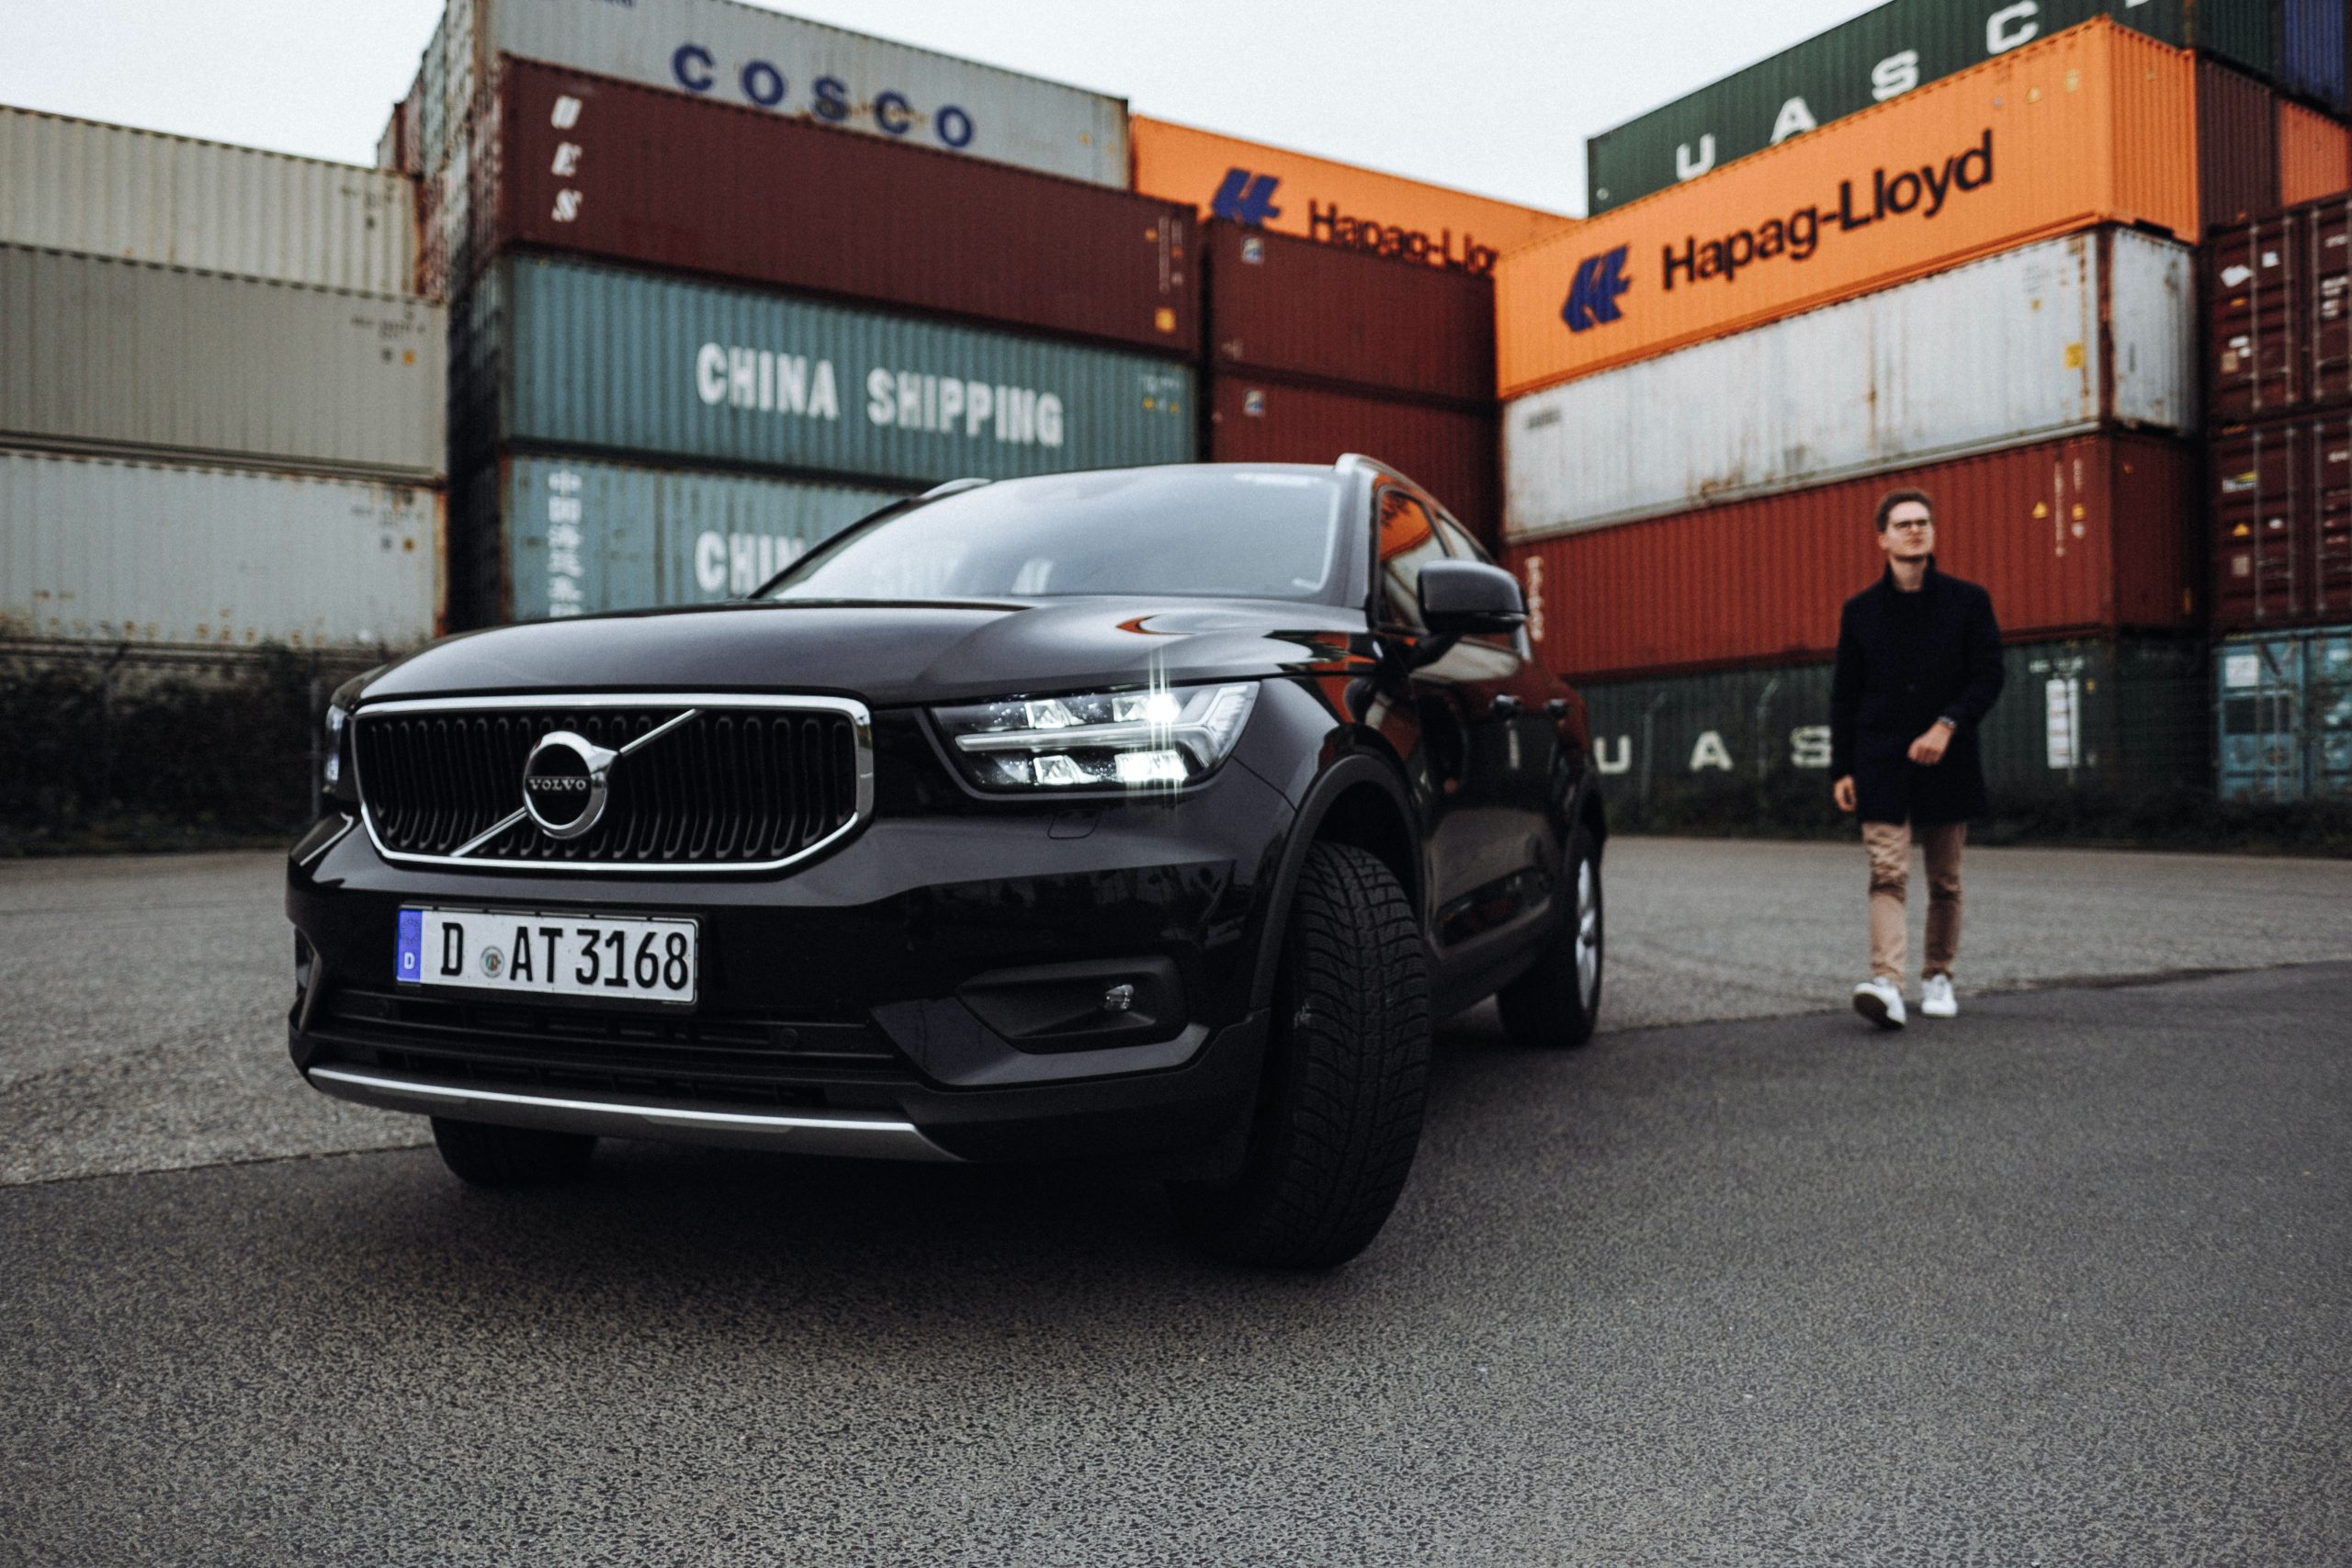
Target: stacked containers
<point>1968,288</point>
<point>219,407</point>
<point>775,326</point>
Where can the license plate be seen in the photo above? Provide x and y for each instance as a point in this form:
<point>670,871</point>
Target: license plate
<point>565,956</point>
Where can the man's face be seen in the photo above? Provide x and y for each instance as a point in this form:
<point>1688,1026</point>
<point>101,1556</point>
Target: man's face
<point>1910,533</point>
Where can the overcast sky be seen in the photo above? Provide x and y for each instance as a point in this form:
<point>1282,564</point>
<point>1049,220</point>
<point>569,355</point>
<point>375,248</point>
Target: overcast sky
<point>1495,96</point>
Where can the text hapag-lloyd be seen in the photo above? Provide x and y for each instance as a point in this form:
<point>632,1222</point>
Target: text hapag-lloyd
<point>774,382</point>
<point>1926,190</point>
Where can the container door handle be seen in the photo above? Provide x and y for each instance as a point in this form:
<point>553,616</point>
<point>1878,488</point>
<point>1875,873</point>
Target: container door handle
<point>1507,704</point>
<point>1557,707</point>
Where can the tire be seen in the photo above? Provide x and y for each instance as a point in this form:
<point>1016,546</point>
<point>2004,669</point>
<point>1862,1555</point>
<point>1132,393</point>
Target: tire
<point>1347,1068</point>
<point>1555,1004</point>
<point>482,1155</point>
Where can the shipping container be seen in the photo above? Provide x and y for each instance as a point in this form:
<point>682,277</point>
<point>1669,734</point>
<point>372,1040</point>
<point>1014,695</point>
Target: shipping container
<point>2237,147</point>
<point>2314,154</point>
<point>2063,336</point>
<point>2282,715</point>
<point>2282,522</point>
<point>2258,326</point>
<point>2092,535</point>
<point>593,165</point>
<point>2103,723</point>
<point>1450,452</point>
<point>1292,307</point>
<point>2094,125</point>
<point>126,354</point>
<point>743,54</point>
<point>110,190</point>
<point>557,536</point>
<point>103,550</point>
<point>2310,51</point>
<point>1283,192</point>
<point>1880,55</point>
<point>575,356</point>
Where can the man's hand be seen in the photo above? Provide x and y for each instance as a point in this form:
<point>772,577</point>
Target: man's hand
<point>1928,750</point>
<point>1843,793</point>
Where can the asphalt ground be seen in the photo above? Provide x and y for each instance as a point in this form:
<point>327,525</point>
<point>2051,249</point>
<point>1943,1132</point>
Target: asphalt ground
<point>2067,1281</point>
<point>142,998</point>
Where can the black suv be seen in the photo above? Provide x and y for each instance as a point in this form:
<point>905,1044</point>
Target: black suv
<point>1148,813</point>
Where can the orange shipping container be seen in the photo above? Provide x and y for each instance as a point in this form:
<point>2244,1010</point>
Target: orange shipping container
<point>2314,154</point>
<point>2093,125</point>
<point>1291,193</point>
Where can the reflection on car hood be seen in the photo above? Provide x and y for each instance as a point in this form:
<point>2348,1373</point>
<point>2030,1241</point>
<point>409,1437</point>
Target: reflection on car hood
<point>886,654</point>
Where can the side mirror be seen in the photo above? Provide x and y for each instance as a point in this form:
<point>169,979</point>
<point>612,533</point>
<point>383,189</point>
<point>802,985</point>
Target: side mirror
<point>1464,598</point>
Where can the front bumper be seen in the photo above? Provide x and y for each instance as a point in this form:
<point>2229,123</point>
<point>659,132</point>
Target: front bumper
<point>833,1013</point>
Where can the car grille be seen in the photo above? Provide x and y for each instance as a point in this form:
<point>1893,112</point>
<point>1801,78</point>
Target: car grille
<point>726,787</point>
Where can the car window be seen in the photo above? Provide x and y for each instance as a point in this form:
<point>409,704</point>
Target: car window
<point>1407,541</point>
<point>1458,541</point>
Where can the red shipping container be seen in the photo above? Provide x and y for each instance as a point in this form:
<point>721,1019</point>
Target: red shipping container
<point>1455,454</point>
<point>2084,537</point>
<point>2326,311</point>
<point>585,164</point>
<point>2283,523</point>
<point>2257,330</point>
<point>2237,145</point>
<point>1296,307</point>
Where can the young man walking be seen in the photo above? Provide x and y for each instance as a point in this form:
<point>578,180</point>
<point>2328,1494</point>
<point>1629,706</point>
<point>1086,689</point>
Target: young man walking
<point>1918,666</point>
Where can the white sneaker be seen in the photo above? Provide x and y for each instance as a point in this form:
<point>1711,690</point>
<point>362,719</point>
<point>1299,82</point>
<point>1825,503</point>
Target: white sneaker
<point>1935,999</point>
<point>1880,1001</point>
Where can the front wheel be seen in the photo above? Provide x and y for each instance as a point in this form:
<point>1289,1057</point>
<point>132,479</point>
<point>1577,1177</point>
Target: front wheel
<point>1347,1065</point>
<point>1555,1004</point>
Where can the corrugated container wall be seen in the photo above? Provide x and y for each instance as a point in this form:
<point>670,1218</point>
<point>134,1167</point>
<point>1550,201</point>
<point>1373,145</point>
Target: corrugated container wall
<point>2282,522</point>
<point>1331,203</point>
<point>102,352</point>
<point>1291,306</point>
<point>746,54</point>
<point>74,185</point>
<point>2094,125</point>
<point>2237,147</point>
<point>2310,51</point>
<point>2314,154</point>
<point>1451,451</point>
<point>1880,54</point>
<point>2087,534</point>
<point>566,536</point>
<point>108,551</point>
<point>585,164</point>
<point>2278,311</point>
<point>2283,715</point>
<point>2054,338</point>
<point>579,355</point>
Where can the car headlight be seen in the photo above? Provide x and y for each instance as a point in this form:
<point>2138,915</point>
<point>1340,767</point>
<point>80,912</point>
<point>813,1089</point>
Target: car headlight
<point>334,768</point>
<point>1151,737</point>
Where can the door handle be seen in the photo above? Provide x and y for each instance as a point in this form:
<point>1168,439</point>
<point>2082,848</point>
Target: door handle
<point>1508,705</point>
<point>1557,707</point>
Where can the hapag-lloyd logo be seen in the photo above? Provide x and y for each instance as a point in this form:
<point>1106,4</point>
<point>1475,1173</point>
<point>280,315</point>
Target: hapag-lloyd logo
<point>1923,192</point>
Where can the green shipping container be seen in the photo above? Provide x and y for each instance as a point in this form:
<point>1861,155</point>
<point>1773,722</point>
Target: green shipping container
<point>559,354</point>
<point>1876,56</point>
<point>2282,715</point>
<point>2092,725</point>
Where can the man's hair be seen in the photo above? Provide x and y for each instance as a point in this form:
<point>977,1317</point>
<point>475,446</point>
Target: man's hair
<point>1895,498</point>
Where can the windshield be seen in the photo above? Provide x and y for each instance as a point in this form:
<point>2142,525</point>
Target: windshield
<point>1226,533</point>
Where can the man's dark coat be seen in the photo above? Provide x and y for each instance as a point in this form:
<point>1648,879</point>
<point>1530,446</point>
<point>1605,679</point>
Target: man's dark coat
<point>1900,668</point>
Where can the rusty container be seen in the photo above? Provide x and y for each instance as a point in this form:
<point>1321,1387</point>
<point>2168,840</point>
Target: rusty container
<point>2095,124</point>
<point>2085,537</point>
<point>1332,203</point>
<point>2314,154</point>
<point>596,167</point>
<point>1451,451</point>
<point>1289,306</point>
<point>2282,523</point>
<point>2237,145</point>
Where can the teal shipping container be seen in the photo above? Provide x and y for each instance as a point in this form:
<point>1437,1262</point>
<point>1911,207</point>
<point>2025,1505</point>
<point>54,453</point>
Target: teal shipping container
<point>1880,55</point>
<point>2282,715</point>
<point>559,354</point>
<point>555,535</point>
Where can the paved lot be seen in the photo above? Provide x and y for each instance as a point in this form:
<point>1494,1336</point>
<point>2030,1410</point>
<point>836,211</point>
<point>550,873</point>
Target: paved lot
<point>2065,1281</point>
<point>145,996</point>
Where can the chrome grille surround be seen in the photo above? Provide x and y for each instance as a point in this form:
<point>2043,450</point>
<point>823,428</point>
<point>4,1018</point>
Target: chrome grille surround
<point>512,843</point>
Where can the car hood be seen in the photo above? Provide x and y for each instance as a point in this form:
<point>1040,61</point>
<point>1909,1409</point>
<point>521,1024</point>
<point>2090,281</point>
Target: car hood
<point>887,655</point>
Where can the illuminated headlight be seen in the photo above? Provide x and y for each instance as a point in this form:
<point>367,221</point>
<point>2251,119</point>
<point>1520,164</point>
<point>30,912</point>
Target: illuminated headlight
<point>1152,738</point>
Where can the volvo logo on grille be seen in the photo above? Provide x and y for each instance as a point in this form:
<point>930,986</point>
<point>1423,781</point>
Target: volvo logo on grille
<point>564,783</point>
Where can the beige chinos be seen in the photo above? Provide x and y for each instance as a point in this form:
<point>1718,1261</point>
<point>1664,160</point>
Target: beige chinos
<point>1889,847</point>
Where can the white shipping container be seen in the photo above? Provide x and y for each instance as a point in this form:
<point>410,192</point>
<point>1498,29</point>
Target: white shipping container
<point>2052,339</point>
<point>105,550</point>
<point>110,190</point>
<point>744,54</point>
<point>124,354</point>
